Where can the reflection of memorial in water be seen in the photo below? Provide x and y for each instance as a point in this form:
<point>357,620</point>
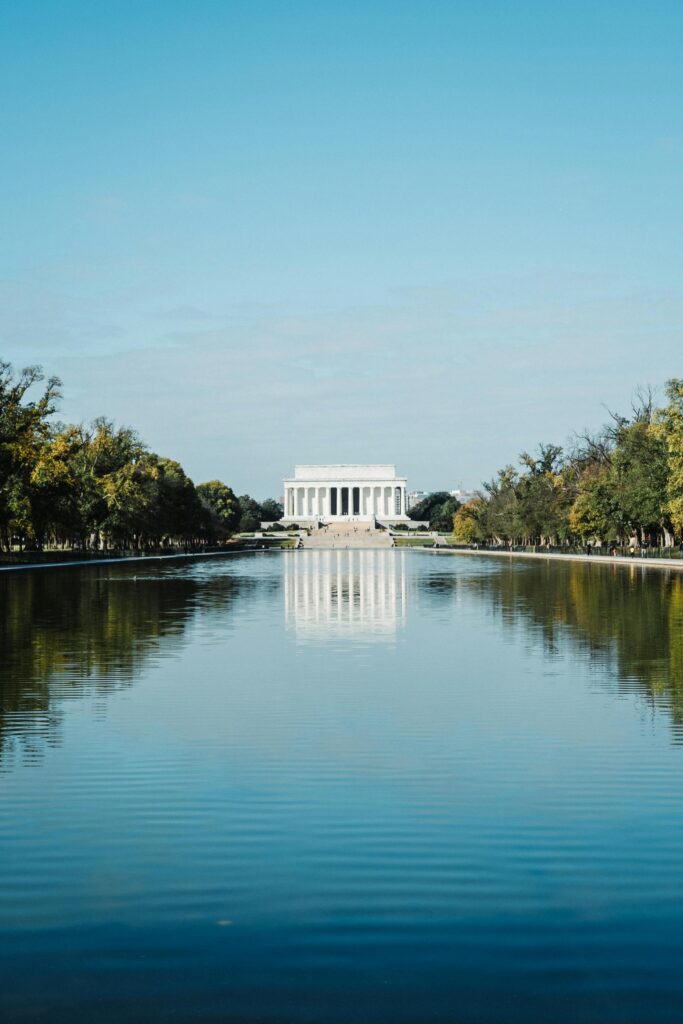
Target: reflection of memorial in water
<point>333,594</point>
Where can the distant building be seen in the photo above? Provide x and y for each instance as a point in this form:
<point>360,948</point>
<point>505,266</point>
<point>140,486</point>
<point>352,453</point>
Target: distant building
<point>345,493</point>
<point>462,496</point>
<point>415,497</point>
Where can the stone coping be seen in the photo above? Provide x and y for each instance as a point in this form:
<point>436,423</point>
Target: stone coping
<point>624,560</point>
<point>117,560</point>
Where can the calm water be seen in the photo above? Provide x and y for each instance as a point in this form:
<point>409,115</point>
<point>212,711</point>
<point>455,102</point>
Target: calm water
<point>341,787</point>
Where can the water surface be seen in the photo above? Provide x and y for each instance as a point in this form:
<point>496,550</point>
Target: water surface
<point>342,786</point>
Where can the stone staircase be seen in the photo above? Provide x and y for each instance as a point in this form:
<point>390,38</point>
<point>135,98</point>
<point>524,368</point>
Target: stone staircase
<point>348,535</point>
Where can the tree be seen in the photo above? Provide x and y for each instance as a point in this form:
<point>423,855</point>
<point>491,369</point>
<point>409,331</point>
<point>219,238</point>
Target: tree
<point>542,495</point>
<point>222,506</point>
<point>107,480</point>
<point>594,512</point>
<point>271,510</point>
<point>438,508</point>
<point>130,496</point>
<point>91,486</point>
<point>250,514</point>
<point>469,522</point>
<point>24,427</point>
<point>639,473</point>
<point>503,518</point>
<point>51,484</point>
<point>178,510</point>
<point>669,425</point>
<point>151,501</point>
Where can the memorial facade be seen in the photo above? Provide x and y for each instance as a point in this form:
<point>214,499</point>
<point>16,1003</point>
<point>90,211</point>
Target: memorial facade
<point>344,493</point>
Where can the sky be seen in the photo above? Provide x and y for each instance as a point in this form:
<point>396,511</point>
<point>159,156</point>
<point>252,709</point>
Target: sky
<point>267,233</point>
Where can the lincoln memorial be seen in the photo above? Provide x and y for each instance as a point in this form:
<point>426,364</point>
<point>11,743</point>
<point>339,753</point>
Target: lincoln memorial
<point>345,493</point>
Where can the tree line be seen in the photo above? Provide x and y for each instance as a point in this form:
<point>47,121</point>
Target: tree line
<point>619,485</point>
<point>99,486</point>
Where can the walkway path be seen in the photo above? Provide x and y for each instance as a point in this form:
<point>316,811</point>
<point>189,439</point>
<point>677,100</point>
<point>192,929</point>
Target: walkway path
<point>649,563</point>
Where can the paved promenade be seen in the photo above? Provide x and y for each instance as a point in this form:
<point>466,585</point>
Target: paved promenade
<point>623,560</point>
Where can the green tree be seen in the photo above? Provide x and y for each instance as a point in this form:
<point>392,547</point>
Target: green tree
<point>105,481</point>
<point>250,514</point>
<point>24,428</point>
<point>594,512</point>
<point>271,510</point>
<point>151,501</point>
<point>51,484</point>
<point>503,519</point>
<point>669,426</point>
<point>639,476</point>
<point>469,522</point>
<point>438,508</point>
<point>542,496</point>
<point>222,506</point>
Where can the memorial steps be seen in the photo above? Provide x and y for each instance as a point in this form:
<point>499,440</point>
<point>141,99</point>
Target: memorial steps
<point>348,535</point>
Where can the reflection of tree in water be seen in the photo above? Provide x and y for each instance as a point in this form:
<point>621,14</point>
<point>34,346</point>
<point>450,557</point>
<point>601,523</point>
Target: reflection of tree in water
<point>74,633</point>
<point>629,619</point>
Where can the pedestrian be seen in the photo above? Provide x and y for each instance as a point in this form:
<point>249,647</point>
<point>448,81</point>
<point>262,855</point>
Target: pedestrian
<point>589,548</point>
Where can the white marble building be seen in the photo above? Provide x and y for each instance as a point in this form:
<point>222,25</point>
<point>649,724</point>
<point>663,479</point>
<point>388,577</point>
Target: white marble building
<point>345,493</point>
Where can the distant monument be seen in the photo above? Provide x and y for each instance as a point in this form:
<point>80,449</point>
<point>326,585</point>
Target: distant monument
<point>345,494</point>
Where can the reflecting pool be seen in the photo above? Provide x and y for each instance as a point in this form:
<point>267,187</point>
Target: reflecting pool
<point>342,786</point>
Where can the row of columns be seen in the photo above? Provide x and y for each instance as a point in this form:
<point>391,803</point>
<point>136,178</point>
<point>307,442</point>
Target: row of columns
<point>344,500</point>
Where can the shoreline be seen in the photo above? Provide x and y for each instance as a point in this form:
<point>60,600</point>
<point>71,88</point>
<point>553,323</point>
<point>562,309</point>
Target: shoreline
<point>79,563</point>
<point>645,563</point>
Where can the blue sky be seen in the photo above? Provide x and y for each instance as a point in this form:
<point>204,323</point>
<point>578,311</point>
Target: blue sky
<point>424,233</point>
